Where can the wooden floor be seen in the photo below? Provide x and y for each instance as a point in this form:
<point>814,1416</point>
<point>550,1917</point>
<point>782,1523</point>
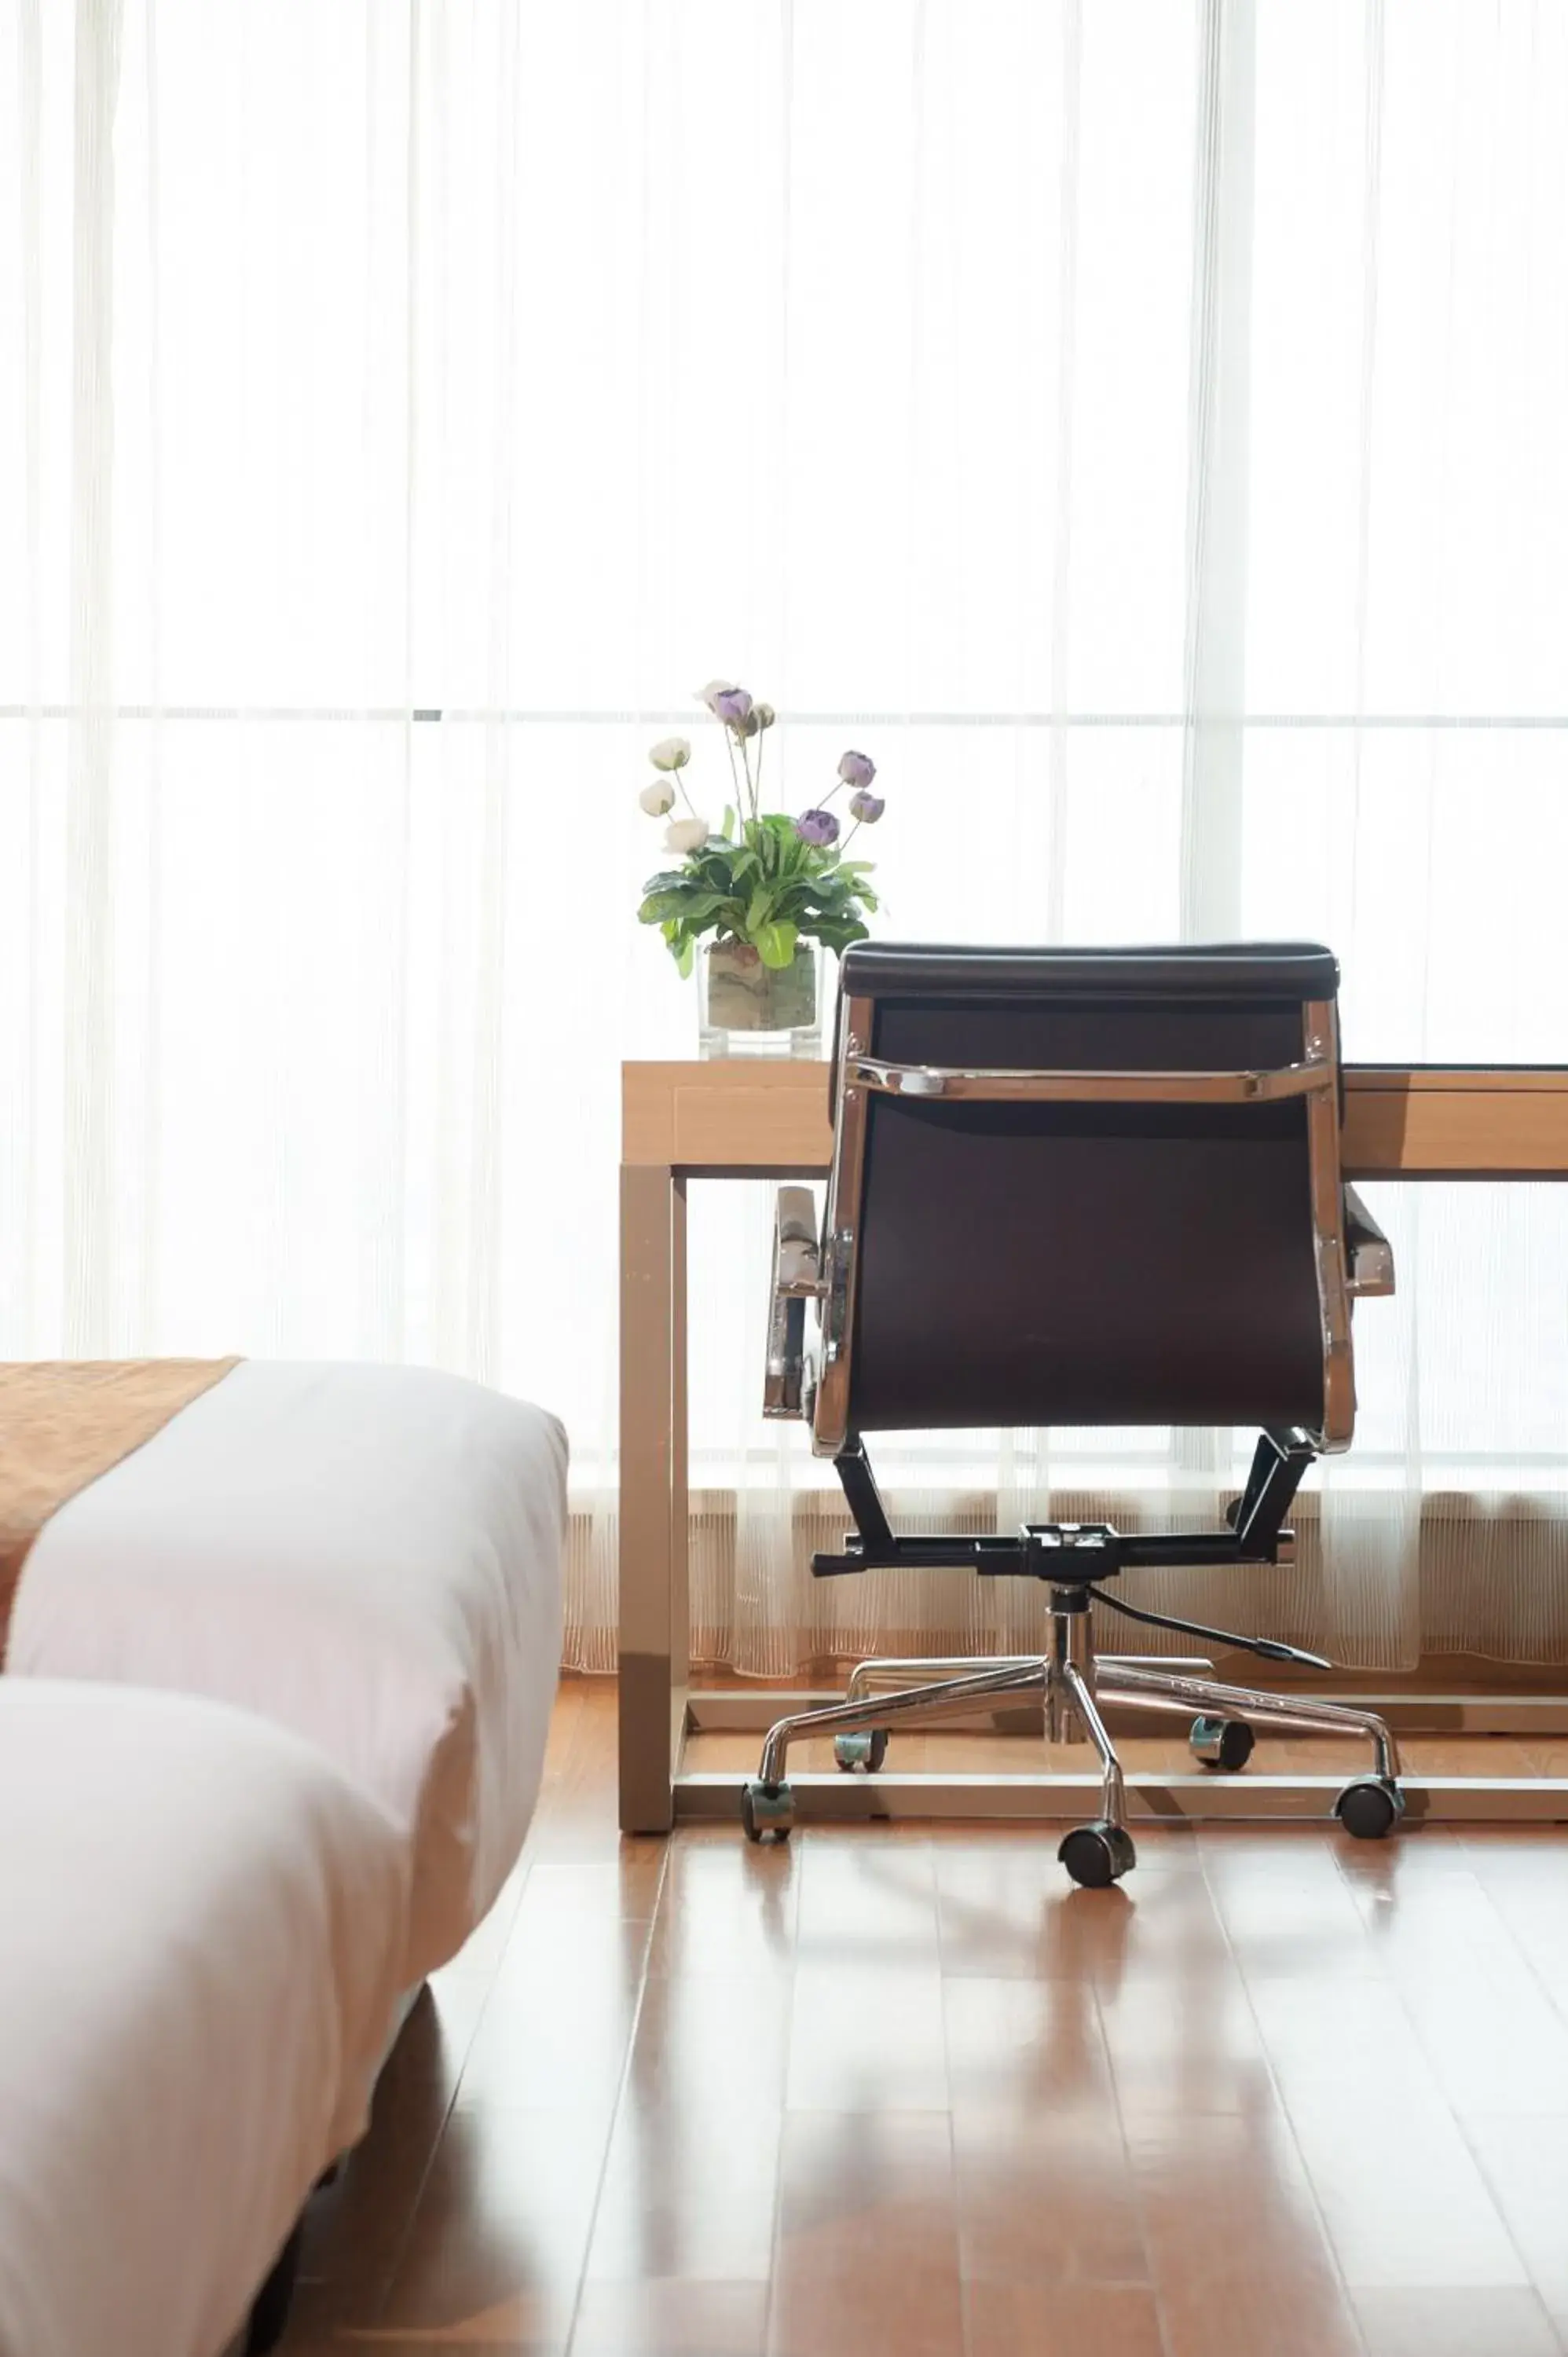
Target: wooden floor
<point>908,2092</point>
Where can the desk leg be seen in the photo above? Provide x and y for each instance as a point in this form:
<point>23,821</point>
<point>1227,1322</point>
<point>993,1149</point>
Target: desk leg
<point>655,1613</point>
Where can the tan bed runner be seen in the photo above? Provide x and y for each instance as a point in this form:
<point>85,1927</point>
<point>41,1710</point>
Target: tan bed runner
<point>65,1421</point>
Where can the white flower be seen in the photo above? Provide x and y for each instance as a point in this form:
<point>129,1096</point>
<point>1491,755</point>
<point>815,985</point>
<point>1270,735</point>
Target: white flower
<point>671,753</point>
<point>713,690</point>
<point>658,798</point>
<point>685,835</point>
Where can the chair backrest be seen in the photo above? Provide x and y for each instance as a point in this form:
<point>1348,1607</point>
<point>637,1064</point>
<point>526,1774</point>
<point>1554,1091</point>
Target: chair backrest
<point>1086,1186</point>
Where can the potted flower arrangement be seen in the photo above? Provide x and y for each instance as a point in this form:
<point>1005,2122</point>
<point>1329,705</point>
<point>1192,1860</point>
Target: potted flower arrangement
<point>764,892</point>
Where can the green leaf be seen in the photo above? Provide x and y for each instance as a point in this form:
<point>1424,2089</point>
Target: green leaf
<point>728,829</point>
<point>838,933</point>
<point>693,905</point>
<point>775,944</point>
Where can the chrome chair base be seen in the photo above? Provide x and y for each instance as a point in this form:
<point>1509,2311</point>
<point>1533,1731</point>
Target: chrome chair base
<point>1071,1684</point>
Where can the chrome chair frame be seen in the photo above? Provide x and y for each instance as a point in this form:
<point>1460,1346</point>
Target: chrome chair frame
<point>1071,1683</point>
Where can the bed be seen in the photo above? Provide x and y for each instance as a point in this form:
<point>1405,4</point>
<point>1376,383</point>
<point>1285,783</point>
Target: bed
<point>204,1925</point>
<point>371,1556</point>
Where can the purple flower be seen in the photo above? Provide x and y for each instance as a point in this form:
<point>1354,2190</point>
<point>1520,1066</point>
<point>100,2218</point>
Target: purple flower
<point>857,769</point>
<point>732,705</point>
<point>866,808</point>
<point>817,826</point>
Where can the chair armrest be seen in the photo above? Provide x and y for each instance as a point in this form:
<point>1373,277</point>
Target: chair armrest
<point>796,1266</point>
<point>796,1282</point>
<point>1370,1256</point>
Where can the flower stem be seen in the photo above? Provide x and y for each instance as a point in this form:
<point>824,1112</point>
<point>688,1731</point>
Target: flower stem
<point>734,782</point>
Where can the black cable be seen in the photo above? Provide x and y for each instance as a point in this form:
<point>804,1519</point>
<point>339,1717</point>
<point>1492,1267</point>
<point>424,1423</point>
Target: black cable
<point>1269,1647</point>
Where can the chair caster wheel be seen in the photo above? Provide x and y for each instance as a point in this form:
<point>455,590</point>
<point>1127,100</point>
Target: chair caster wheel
<point>858,1751</point>
<point>768,1809</point>
<point>1099,1854</point>
<point>1222,1742</point>
<point>1369,1808</point>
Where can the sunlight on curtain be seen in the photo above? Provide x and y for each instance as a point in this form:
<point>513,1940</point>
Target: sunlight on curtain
<point>1139,426</point>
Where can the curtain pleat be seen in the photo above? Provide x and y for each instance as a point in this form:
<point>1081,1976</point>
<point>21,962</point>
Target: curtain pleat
<point>89,1045</point>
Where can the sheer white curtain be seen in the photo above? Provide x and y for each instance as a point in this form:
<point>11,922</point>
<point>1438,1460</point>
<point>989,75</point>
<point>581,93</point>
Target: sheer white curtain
<point>1139,426</point>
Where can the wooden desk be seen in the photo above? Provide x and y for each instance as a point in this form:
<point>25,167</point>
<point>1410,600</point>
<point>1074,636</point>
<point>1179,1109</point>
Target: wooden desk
<point>748,1120</point>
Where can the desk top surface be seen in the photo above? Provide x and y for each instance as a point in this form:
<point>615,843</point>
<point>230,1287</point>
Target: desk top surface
<point>745,1116</point>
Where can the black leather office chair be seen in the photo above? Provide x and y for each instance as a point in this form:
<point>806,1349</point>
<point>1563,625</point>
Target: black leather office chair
<point>1079,1186</point>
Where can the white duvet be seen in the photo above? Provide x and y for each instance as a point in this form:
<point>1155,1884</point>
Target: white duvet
<point>201,1934</point>
<point>372,1556</point>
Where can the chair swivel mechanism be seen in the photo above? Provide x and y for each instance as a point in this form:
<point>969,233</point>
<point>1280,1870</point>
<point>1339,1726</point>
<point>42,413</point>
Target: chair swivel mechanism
<point>1086,1188</point>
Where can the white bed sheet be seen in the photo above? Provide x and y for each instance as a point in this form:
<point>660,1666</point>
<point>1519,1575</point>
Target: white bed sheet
<point>372,1556</point>
<point>201,1934</point>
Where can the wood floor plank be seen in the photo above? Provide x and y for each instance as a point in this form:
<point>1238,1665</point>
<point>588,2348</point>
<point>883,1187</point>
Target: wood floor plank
<point>1238,2253</point>
<point>866,1901</point>
<point>1045,2187</point>
<point>1061,2320</point>
<point>1185,2043</point>
<point>1019,2051</point>
<point>1493,2039</point>
<point>705,2045</point>
<point>1525,2163</point>
<point>868,2038</point>
<point>728,1907</point>
<point>497,2249</point>
<point>867,2251</point>
<point>904,2089</point>
<point>1405,2203</point>
<point>356,2229</point>
<point>671,2320</point>
<point>1009,1908</point>
<point>688,2197</point>
<point>1455,2324</point>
